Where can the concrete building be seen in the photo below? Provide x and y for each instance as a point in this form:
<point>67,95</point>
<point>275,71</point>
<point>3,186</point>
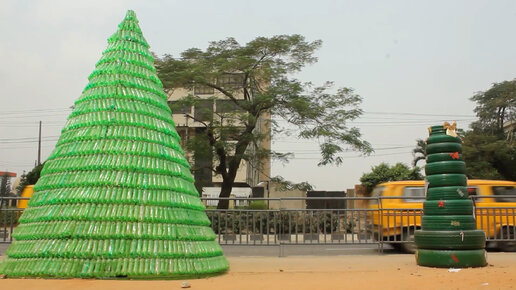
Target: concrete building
<point>510,129</point>
<point>213,106</point>
<point>276,191</point>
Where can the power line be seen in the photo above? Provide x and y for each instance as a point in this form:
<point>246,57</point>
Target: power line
<point>395,118</point>
<point>27,138</point>
<point>356,156</point>
<point>287,141</point>
<point>33,125</point>
<point>26,147</point>
<point>400,122</point>
<point>417,114</point>
<point>28,141</point>
<point>7,112</point>
<point>38,112</point>
<point>309,151</point>
<point>32,122</point>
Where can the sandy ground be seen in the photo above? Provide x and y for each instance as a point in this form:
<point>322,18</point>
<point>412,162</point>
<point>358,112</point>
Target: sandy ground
<point>316,272</point>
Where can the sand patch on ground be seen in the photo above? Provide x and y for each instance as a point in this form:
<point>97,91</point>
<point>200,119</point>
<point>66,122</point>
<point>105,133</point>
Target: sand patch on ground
<point>315,272</point>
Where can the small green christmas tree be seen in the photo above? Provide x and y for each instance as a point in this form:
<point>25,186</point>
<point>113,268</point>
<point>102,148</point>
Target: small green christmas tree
<point>116,197</point>
<point>448,235</point>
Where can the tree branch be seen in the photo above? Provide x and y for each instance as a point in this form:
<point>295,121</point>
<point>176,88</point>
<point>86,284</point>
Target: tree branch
<point>240,148</point>
<point>197,120</point>
<point>221,153</point>
<point>223,91</point>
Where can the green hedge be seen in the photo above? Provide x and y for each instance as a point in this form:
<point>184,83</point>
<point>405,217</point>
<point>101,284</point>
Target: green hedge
<point>9,217</point>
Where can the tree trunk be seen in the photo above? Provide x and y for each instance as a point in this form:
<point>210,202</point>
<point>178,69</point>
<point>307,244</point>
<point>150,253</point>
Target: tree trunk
<point>225,192</point>
<point>228,179</point>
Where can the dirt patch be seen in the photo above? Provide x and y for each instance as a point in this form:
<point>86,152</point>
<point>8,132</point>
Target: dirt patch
<point>313,272</point>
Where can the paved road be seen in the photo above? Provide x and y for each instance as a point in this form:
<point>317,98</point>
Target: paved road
<point>383,272</point>
<point>290,250</point>
<point>303,250</point>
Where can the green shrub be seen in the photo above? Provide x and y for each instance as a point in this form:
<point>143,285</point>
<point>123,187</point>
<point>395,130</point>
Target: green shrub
<point>9,218</point>
<point>225,222</point>
<point>258,205</point>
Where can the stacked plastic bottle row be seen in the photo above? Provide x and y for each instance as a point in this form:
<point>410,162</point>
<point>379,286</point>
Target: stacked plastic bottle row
<point>116,197</point>
<point>448,235</point>
<point>141,268</point>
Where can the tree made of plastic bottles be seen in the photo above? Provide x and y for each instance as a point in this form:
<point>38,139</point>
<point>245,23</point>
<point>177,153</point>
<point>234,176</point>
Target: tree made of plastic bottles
<point>116,197</point>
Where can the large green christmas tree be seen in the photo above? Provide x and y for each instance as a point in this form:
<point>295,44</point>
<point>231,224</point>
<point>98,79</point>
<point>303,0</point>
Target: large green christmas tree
<point>116,197</point>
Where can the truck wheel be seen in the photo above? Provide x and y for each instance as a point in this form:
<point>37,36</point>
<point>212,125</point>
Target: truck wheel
<point>443,138</point>
<point>451,240</point>
<point>448,192</point>
<point>438,180</point>
<point>448,207</point>
<point>443,147</point>
<point>451,258</point>
<point>445,167</point>
<point>437,130</point>
<point>448,222</point>
<point>436,157</point>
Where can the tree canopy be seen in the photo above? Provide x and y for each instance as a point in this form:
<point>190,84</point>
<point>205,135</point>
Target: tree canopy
<point>257,79</point>
<point>419,153</point>
<point>487,151</point>
<point>488,156</point>
<point>495,106</point>
<point>5,186</point>
<point>384,173</point>
<point>30,178</point>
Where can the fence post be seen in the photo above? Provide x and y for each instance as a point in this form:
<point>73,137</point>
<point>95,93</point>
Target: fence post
<point>280,226</point>
<point>380,228</point>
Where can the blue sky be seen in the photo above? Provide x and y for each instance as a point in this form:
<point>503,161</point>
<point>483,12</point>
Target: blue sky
<point>415,63</point>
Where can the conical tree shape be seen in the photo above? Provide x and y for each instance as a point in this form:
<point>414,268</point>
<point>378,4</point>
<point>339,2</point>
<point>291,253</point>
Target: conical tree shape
<point>116,197</point>
<point>448,236</point>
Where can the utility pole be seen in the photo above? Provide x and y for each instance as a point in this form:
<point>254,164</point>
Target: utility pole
<point>39,145</point>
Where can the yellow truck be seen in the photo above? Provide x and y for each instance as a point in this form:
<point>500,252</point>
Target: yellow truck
<point>397,211</point>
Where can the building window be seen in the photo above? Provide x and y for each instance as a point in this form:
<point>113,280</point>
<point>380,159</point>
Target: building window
<point>227,106</point>
<point>203,90</point>
<point>231,81</point>
<point>179,108</point>
<point>204,110</point>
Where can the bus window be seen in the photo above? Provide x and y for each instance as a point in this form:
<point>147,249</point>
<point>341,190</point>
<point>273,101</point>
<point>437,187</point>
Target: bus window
<point>412,192</point>
<point>500,193</point>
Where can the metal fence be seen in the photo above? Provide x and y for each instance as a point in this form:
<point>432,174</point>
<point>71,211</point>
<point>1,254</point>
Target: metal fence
<point>282,225</point>
<point>277,223</point>
<point>9,215</point>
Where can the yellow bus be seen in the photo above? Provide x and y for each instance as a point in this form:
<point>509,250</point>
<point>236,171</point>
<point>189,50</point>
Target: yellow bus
<point>397,212</point>
<point>26,192</point>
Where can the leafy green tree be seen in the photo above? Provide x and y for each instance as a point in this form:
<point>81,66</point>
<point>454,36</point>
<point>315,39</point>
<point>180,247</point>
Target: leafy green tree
<point>384,173</point>
<point>495,106</point>
<point>5,186</point>
<point>283,185</point>
<point>256,79</point>
<point>488,156</point>
<point>30,178</point>
<point>486,150</point>
<point>419,152</point>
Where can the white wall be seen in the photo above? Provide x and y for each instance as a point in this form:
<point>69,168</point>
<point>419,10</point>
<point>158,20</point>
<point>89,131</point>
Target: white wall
<point>236,192</point>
